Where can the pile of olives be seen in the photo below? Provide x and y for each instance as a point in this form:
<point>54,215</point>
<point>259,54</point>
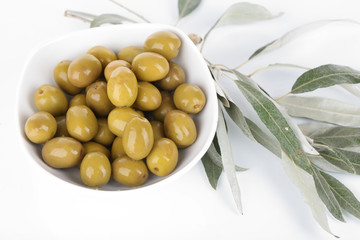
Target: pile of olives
<point>121,115</point>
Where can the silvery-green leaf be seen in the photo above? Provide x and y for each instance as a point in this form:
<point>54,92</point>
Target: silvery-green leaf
<point>338,137</point>
<point>227,160</point>
<point>324,165</point>
<point>344,196</point>
<point>212,170</point>
<point>222,96</point>
<point>291,35</point>
<point>185,7</point>
<point>326,195</point>
<point>352,88</point>
<point>325,76</point>
<point>322,109</point>
<point>310,127</point>
<point>109,18</point>
<point>305,182</point>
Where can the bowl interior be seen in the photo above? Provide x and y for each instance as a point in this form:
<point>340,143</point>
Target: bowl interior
<point>39,70</point>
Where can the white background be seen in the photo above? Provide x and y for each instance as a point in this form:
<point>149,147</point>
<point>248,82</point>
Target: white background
<point>35,205</point>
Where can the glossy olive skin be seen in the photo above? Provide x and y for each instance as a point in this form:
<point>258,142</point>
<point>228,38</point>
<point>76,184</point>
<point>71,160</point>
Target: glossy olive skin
<point>174,78</point>
<point>50,99</point>
<point>61,78</point>
<point>148,98</point>
<point>95,169</point>
<point>104,136</point>
<point>149,66</point>
<point>129,53</point>
<point>180,128</point>
<point>61,127</point>
<point>114,65</point>
<point>138,138</point>
<point>158,129</point>
<point>84,70</point>
<point>122,87</point>
<point>40,127</point>
<point>118,118</point>
<point>78,99</point>
<point>62,152</point>
<point>163,42</point>
<point>129,172</point>
<point>189,98</point>
<point>117,148</point>
<point>97,99</point>
<point>95,147</point>
<point>163,158</point>
<point>81,123</point>
<point>104,54</point>
<point>167,104</point>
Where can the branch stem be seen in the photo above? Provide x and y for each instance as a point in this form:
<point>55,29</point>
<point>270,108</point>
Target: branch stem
<point>130,11</point>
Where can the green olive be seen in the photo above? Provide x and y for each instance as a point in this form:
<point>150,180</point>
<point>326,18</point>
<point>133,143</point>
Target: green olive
<point>174,78</point>
<point>138,138</point>
<point>122,87</point>
<point>78,99</point>
<point>61,127</point>
<point>158,129</point>
<point>118,118</point>
<point>61,78</point>
<point>62,152</point>
<point>95,147</point>
<point>148,98</point>
<point>50,99</point>
<point>117,148</point>
<point>129,172</point>
<point>180,128</point>
<point>189,98</point>
<point>128,53</point>
<point>163,158</point>
<point>149,66</point>
<point>114,65</point>
<point>104,54</point>
<point>164,42</point>
<point>84,70</point>
<point>81,123</point>
<point>97,98</point>
<point>95,169</point>
<point>104,135</point>
<point>40,127</point>
<point>167,104</point>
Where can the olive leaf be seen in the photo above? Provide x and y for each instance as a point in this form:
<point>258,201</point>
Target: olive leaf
<point>322,109</point>
<point>325,76</point>
<point>109,18</point>
<point>309,128</point>
<point>324,165</point>
<point>352,88</point>
<point>212,170</point>
<point>185,7</point>
<point>338,137</point>
<point>82,15</point>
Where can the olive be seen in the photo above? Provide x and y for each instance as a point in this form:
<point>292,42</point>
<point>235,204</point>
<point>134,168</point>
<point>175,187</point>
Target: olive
<point>114,65</point>
<point>117,148</point>
<point>129,172</point>
<point>61,127</point>
<point>180,128</point>
<point>163,158</point>
<point>104,54</point>
<point>104,135</point>
<point>84,70</point>
<point>61,78</point>
<point>62,152</point>
<point>97,98</point>
<point>174,78</point>
<point>78,99</point>
<point>118,118</point>
<point>164,42</point>
<point>149,66</point>
<point>167,104</point>
<point>40,127</point>
<point>95,169</point>
<point>148,98</point>
<point>81,123</point>
<point>138,138</point>
<point>189,98</point>
<point>122,87</point>
<point>95,147</point>
<point>158,129</point>
<point>128,53</point>
<point>50,99</point>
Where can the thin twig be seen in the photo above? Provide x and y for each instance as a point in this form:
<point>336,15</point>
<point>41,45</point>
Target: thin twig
<point>240,65</point>
<point>130,11</point>
<point>276,65</point>
<point>282,97</point>
<point>73,14</point>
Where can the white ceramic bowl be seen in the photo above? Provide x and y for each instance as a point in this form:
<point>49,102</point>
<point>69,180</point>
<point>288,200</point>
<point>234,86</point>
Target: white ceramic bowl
<point>39,70</point>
